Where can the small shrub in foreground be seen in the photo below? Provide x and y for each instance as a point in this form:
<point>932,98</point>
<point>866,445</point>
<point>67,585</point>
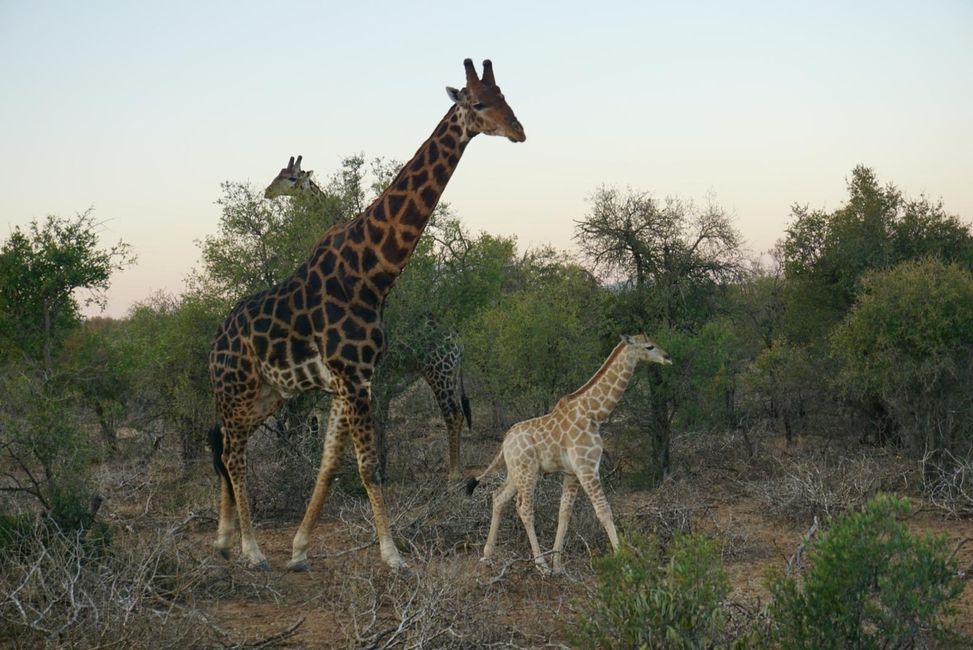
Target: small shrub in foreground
<point>871,584</point>
<point>643,602</point>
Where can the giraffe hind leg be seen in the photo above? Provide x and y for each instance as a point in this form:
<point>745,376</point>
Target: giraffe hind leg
<point>235,459</point>
<point>500,500</point>
<point>444,387</point>
<point>227,523</point>
<point>525,508</point>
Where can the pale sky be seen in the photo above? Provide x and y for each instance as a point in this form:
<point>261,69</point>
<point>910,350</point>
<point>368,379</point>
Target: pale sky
<point>141,109</point>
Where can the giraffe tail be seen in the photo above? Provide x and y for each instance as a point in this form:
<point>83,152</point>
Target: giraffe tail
<point>464,402</point>
<point>473,482</point>
<point>216,444</point>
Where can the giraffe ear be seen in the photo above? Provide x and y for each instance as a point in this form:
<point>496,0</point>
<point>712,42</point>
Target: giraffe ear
<point>454,95</point>
<point>627,339</point>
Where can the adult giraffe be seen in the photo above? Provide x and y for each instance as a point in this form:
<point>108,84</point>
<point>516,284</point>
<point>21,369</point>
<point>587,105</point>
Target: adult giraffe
<point>321,328</point>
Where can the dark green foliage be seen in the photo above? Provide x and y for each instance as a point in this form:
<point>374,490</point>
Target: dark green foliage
<point>45,452</point>
<point>872,584</point>
<point>909,342</point>
<point>539,343</point>
<point>644,601</point>
<point>260,241</point>
<point>783,385</point>
<point>99,360</point>
<point>695,393</point>
<point>171,340</point>
<point>826,254</point>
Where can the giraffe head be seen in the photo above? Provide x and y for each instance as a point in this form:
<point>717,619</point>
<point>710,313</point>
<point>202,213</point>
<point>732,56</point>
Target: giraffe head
<point>290,181</point>
<point>646,349</point>
<point>483,107</point>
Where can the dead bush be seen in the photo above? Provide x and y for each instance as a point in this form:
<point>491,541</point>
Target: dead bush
<point>828,484</point>
<point>948,483</point>
<point>671,509</point>
<point>61,590</point>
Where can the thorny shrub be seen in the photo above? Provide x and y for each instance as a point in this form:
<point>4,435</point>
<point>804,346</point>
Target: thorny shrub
<point>643,601</point>
<point>871,584</point>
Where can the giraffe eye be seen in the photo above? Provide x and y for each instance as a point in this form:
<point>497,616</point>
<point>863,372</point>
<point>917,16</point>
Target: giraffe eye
<point>479,106</point>
<point>650,347</point>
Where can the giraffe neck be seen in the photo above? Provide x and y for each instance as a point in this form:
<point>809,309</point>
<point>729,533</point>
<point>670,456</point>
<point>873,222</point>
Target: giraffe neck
<point>601,393</point>
<point>396,219</point>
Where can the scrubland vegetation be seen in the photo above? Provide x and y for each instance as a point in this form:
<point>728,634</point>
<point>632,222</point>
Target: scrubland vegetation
<point>801,476</point>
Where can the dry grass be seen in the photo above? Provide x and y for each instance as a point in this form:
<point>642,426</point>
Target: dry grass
<point>158,585</point>
<point>824,484</point>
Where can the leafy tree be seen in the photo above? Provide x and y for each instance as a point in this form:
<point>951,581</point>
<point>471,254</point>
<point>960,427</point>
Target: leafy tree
<point>44,451</point>
<point>693,393</point>
<point>41,268</point>
<point>782,382</point>
<point>260,242</point>
<point>825,254</point>
<point>672,257</point>
<point>98,360</point>
<point>537,344</point>
<point>909,341</point>
<point>872,584</point>
<point>172,338</point>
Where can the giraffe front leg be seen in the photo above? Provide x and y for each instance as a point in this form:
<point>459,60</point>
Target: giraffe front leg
<point>363,437</point>
<point>335,438</point>
<point>569,490</point>
<point>592,487</point>
<point>525,508</point>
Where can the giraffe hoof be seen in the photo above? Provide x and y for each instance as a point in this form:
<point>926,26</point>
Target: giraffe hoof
<point>543,568</point>
<point>222,550</point>
<point>299,566</point>
<point>262,565</point>
<point>487,561</point>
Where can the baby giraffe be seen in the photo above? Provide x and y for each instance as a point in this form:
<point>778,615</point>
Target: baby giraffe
<point>566,440</point>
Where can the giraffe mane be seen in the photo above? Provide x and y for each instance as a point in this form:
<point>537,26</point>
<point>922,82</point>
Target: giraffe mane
<point>595,377</point>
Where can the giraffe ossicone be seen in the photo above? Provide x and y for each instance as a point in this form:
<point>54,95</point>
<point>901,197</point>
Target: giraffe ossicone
<point>566,440</point>
<point>321,327</point>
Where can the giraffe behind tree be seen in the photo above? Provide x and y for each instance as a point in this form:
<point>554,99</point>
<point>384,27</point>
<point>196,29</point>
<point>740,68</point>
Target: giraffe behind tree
<point>321,327</point>
<point>566,440</point>
<point>436,355</point>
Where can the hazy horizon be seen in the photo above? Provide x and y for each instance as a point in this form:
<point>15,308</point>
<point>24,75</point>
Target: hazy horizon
<point>141,111</point>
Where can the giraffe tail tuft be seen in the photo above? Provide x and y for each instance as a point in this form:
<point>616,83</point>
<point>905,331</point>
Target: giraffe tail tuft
<point>216,444</point>
<point>464,402</point>
<point>473,482</point>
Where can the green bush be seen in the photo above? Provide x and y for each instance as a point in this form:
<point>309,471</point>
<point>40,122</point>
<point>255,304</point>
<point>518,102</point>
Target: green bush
<point>871,584</point>
<point>643,602</point>
<point>908,342</point>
